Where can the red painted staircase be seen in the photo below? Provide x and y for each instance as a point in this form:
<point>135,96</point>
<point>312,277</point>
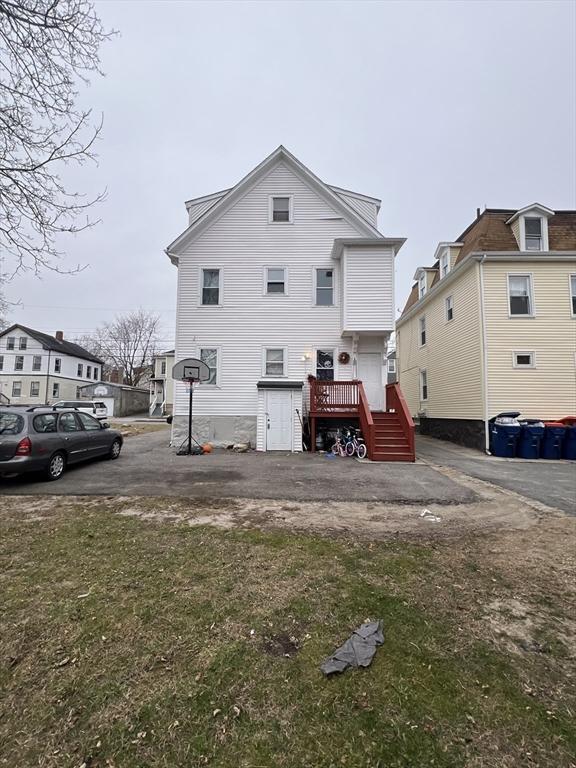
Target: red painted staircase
<point>390,441</point>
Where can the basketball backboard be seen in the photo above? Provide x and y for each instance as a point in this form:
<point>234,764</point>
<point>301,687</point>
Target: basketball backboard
<point>191,369</point>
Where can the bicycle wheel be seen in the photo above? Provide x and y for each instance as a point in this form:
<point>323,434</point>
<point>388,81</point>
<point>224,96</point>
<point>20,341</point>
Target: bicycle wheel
<point>361,450</point>
<point>350,448</point>
<point>335,449</point>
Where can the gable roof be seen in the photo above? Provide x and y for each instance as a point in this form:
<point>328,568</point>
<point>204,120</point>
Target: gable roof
<point>231,196</point>
<point>51,343</point>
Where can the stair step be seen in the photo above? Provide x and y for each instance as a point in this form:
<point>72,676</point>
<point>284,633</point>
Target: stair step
<point>393,457</point>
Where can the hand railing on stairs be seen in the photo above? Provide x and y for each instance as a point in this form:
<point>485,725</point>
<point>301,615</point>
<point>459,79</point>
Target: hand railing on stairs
<point>395,402</point>
<point>366,420</point>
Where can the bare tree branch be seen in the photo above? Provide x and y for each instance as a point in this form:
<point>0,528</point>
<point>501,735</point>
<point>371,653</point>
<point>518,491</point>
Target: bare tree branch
<point>128,343</point>
<point>47,47</point>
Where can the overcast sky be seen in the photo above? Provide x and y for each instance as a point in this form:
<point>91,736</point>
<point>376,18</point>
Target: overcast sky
<point>437,108</point>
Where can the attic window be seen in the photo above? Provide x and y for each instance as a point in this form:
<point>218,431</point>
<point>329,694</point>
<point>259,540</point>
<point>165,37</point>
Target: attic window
<point>281,210</point>
<point>444,264</point>
<point>422,285</point>
<point>533,233</point>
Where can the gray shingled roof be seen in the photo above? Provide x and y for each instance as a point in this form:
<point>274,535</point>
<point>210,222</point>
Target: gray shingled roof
<point>50,342</point>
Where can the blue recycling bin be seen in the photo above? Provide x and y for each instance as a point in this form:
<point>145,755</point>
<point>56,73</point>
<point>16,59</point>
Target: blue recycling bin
<point>503,439</point>
<point>552,441</point>
<point>569,445</point>
<point>529,440</point>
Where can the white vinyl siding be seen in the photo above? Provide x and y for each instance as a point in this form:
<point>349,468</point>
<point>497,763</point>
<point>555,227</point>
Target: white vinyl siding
<point>365,208</point>
<point>367,288</point>
<point>241,243</point>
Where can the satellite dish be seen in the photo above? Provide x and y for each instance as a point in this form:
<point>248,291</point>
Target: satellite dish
<point>191,369</point>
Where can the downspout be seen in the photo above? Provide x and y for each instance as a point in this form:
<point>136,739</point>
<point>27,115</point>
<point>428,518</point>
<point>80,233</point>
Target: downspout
<point>484,359</point>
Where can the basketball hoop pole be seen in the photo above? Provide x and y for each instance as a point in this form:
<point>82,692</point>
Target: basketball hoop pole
<point>191,383</point>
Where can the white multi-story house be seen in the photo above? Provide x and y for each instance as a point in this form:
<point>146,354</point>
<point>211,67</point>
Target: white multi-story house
<point>37,369</point>
<point>284,280</point>
<point>490,326</point>
<point>162,384</point>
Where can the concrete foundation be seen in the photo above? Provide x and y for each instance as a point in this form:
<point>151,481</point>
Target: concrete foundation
<point>468,432</point>
<point>218,430</point>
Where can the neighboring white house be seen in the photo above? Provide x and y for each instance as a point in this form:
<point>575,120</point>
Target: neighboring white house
<point>279,278</point>
<point>36,368</point>
<point>162,384</point>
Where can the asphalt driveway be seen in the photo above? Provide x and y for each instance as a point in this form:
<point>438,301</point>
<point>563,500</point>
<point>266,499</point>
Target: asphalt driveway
<point>549,482</point>
<point>148,467</point>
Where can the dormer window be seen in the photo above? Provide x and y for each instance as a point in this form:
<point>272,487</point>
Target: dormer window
<point>280,210</point>
<point>444,264</point>
<point>533,233</point>
<point>422,285</point>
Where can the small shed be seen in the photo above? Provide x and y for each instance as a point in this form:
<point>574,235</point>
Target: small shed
<point>120,399</point>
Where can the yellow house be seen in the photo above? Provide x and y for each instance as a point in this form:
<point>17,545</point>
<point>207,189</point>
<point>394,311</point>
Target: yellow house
<point>491,325</point>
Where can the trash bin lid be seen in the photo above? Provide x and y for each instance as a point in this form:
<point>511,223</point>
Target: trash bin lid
<point>557,424</point>
<point>569,421</point>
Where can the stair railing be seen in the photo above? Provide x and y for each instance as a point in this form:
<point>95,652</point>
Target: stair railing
<point>395,402</point>
<point>366,420</point>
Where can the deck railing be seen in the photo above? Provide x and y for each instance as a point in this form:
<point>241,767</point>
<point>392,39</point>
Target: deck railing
<point>366,420</point>
<point>395,402</point>
<point>334,396</point>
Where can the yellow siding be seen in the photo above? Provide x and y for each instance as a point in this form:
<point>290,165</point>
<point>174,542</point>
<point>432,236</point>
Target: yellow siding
<point>549,389</point>
<point>452,355</point>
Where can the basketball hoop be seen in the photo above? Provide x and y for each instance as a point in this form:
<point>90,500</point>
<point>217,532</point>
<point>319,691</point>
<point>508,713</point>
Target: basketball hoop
<point>190,371</point>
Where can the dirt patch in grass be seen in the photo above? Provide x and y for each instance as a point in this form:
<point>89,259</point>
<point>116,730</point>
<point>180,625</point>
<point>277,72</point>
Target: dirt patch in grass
<point>133,428</point>
<point>132,636</point>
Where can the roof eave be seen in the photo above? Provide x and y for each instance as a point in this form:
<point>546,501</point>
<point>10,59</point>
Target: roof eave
<point>395,243</point>
<point>535,206</point>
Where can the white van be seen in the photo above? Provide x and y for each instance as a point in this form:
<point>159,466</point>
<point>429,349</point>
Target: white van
<point>95,408</point>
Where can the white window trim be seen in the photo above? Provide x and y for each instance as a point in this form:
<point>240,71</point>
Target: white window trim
<point>201,270</point>
<point>315,286</point>
<point>13,340</point>
<point>523,352</point>
<point>285,350</point>
<point>57,365</point>
<point>422,287</point>
<point>325,348</point>
<point>571,277</point>
<point>446,300</point>
<point>20,393</point>
<point>421,387</point>
<point>265,278</point>
<point>543,229</point>
<point>392,365</point>
<point>16,358</point>
<point>218,349</point>
<point>290,209</point>
<point>532,301</point>
<point>38,393</point>
<point>445,261</point>
<point>25,340</point>
<point>420,345</point>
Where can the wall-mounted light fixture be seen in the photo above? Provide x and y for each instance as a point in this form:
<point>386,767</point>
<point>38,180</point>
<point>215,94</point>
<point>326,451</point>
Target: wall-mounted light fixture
<point>305,357</point>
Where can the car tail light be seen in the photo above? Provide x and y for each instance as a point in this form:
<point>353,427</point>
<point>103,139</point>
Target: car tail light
<point>24,447</point>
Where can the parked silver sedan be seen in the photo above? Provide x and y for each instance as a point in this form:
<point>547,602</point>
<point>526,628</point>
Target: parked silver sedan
<point>48,440</point>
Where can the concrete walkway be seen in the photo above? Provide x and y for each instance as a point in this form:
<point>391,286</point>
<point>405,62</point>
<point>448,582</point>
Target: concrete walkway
<point>550,482</point>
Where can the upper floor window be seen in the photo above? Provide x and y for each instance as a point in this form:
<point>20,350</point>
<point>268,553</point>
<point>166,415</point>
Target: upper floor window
<point>36,363</point>
<point>533,233</point>
<point>281,209</point>
<point>22,342</point>
<point>520,294</point>
<point>391,365</point>
<point>324,287</point>
<point>275,280</point>
<point>163,368</point>
<point>19,363</point>
<point>95,373</point>
<point>56,389</point>
<point>275,362</point>
<point>449,308</point>
<point>88,371</point>
<point>1,362</point>
<point>80,369</point>
<point>210,287</point>
<point>422,285</point>
<point>573,293</point>
<point>423,385</point>
<point>422,331</point>
<point>210,357</point>
<point>57,365</point>
<point>34,388</point>
<point>444,264</point>
<point>10,341</point>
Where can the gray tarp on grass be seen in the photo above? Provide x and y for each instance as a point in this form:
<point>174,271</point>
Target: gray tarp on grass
<point>357,651</point>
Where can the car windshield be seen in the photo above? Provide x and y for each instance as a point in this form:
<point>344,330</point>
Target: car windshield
<point>10,423</point>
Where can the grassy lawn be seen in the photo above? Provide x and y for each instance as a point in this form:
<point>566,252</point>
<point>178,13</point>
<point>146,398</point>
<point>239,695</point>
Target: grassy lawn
<point>130,643</point>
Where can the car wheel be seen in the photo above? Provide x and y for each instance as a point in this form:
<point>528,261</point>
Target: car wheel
<point>115,449</point>
<point>56,466</point>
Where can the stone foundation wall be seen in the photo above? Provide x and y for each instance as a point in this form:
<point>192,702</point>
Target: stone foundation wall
<point>468,432</point>
<point>218,430</point>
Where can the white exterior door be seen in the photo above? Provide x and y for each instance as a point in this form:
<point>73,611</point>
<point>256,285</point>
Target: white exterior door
<point>370,374</point>
<point>279,420</point>
<point>108,402</point>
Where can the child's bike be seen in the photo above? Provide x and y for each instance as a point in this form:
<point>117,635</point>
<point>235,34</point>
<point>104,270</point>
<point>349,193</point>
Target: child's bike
<point>356,445</point>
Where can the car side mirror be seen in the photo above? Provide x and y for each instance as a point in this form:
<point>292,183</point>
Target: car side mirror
<point>104,425</point>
